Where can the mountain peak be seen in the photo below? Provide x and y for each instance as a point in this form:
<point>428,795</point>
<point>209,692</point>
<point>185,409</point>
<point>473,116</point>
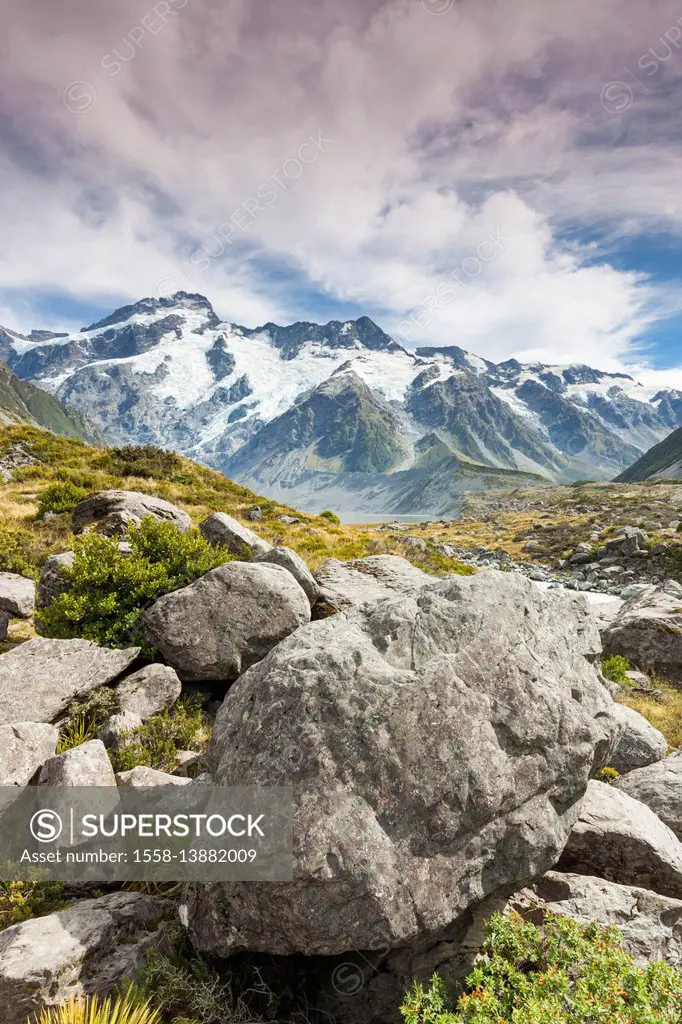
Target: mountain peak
<point>190,301</point>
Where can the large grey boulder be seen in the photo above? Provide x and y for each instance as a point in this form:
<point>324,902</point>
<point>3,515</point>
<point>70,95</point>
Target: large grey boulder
<point>659,786</point>
<point>220,528</point>
<point>640,743</point>
<point>86,949</point>
<point>53,578</point>
<point>620,839</point>
<point>40,678</point>
<point>115,511</point>
<point>650,924</point>
<point>345,586</point>
<point>648,631</point>
<point>149,691</point>
<point>294,564</point>
<point>438,747</point>
<point>24,747</point>
<point>17,595</point>
<point>85,765</point>
<point>230,618</point>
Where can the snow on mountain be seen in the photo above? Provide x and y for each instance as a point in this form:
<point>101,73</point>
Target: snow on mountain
<point>169,372</point>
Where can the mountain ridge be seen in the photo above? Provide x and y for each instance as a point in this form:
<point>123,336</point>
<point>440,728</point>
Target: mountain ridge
<point>260,404</point>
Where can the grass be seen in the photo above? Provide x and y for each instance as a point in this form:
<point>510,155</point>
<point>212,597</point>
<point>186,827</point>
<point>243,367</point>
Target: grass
<point>155,744</point>
<point>665,715</point>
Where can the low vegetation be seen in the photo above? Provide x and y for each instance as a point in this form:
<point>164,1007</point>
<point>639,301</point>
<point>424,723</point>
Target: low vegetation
<point>615,668</point>
<point>92,1010</point>
<point>664,712</point>
<point>85,717</point>
<point>20,901</point>
<point>109,589</point>
<point>155,744</point>
<point>562,973</point>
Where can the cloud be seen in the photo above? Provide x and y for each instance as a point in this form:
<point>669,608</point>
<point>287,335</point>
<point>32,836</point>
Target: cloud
<point>141,135</point>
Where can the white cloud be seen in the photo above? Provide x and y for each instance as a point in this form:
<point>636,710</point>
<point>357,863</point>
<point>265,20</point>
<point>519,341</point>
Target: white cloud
<point>446,130</point>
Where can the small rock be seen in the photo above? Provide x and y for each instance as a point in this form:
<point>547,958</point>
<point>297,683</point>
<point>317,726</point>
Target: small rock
<point>255,514</point>
<point>220,528</point>
<point>117,727</point>
<point>149,691</point>
<point>85,765</point>
<point>17,595</point>
<point>53,580</point>
<point>142,777</point>
<point>289,520</point>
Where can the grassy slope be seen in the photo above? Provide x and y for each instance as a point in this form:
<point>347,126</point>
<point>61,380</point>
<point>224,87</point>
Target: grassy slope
<point>657,460</point>
<point>22,401</point>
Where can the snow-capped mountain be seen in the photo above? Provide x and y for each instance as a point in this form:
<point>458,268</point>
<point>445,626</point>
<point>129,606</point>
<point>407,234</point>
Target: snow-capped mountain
<point>340,414</point>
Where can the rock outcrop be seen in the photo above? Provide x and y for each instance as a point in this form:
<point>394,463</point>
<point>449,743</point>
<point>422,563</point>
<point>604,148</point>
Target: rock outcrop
<point>620,839</point>
<point>84,765</point>
<point>229,619</point>
<point>220,528</point>
<point>87,949</point>
<point>41,677</point>
<point>359,583</point>
<point>114,511</point>
<point>648,631</point>
<point>659,786</point>
<point>438,745</point>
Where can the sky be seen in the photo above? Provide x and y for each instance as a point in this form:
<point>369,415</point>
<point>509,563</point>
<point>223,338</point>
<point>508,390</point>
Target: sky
<point>503,175</point>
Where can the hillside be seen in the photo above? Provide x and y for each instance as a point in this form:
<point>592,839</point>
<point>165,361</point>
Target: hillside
<point>22,402</point>
<point>340,413</point>
<point>664,461</point>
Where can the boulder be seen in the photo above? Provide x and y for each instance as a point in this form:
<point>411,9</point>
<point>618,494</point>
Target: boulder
<point>17,595</point>
<point>438,746</point>
<point>358,583</point>
<point>230,618</point>
<point>294,564</point>
<point>659,786</point>
<point>145,693</point>
<point>648,631</point>
<point>85,765</point>
<point>53,580</point>
<point>86,949</point>
<point>114,511</point>
<point>40,678</point>
<point>627,542</point>
<point>24,747</point>
<point>142,777</point>
<point>220,528</point>
<point>650,924</point>
<point>640,743</point>
<point>116,727</point>
<point>620,839</point>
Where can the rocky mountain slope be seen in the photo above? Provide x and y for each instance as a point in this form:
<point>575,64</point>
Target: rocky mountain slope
<point>22,402</point>
<point>664,460</point>
<point>340,414</point>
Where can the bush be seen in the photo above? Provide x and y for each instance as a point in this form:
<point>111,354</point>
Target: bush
<point>60,497</point>
<point>615,668</point>
<point>110,590</point>
<point>17,553</point>
<point>20,901</point>
<point>607,775</point>
<point>145,461</point>
<point>563,973</point>
<point>331,516</point>
<point>126,1009</point>
<point>85,717</point>
<point>156,743</point>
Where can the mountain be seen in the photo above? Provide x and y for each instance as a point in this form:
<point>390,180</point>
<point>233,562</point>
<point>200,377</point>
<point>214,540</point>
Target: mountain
<point>340,414</point>
<point>22,402</point>
<point>664,461</point>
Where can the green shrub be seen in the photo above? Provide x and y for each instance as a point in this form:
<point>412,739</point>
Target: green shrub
<point>615,668</point>
<point>85,717</point>
<point>60,497</point>
<point>330,516</point>
<point>562,973</point>
<point>17,553</point>
<point>156,743</point>
<point>608,775</point>
<point>679,528</point>
<point>20,901</point>
<point>110,590</point>
<point>144,460</point>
